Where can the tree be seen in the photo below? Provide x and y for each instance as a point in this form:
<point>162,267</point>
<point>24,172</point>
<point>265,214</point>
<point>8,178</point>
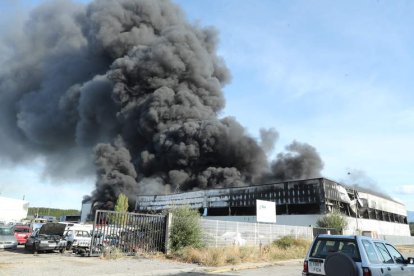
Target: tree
<point>121,206</point>
<point>333,220</point>
<point>121,203</point>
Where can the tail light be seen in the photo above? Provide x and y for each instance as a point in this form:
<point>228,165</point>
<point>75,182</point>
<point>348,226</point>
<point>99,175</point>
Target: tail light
<point>306,269</point>
<point>366,271</point>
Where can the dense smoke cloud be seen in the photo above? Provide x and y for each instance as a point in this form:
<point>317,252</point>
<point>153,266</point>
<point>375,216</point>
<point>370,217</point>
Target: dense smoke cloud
<point>359,180</point>
<point>268,139</point>
<point>302,161</point>
<point>132,87</point>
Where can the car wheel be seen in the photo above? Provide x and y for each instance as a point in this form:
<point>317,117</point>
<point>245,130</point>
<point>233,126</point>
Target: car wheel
<point>62,250</point>
<point>340,264</point>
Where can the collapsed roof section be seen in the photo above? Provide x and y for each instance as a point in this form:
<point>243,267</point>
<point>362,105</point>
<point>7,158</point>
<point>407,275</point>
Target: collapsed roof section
<point>309,196</point>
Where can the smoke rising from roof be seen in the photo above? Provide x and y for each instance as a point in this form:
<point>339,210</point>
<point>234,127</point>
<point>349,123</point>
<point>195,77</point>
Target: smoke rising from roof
<point>133,88</point>
<point>360,181</point>
<point>300,162</point>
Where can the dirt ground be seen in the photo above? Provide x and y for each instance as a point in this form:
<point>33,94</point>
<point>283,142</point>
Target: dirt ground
<point>19,262</point>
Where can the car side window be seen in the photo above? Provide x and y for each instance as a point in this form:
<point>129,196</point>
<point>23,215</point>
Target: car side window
<point>386,257</point>
<point>395,254</point>
<point>370,250</point>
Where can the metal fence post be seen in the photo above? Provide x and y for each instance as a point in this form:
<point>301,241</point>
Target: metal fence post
<point>255,233</point>
<point>168,223</point>
<point>216,231</point>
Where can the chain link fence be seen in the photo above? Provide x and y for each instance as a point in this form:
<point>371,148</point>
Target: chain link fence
<point>217,233</point>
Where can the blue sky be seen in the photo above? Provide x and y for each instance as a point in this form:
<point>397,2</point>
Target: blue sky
<point>334,74</point>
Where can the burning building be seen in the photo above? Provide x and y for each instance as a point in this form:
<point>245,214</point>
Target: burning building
<point>298,202</point>
<point>133,93</point>
<point>130,91</point>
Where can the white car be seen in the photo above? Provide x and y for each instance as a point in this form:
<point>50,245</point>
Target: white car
<point>78,240</point>
<point>337,255</point>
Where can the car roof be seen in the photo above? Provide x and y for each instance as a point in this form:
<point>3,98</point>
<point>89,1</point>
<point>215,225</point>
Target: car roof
<point>327,236</point>
<point>21,226</point>
<point>336,236</point>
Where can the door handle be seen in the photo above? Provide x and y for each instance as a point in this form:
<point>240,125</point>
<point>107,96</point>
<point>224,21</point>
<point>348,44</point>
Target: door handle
<point>389,269</point>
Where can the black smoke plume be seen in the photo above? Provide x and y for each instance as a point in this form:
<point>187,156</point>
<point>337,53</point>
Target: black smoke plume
<point>132,87</point>
<point>302,161</point>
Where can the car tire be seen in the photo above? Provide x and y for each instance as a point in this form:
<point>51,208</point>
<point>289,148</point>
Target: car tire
<point>340,264</point>
<point>62,250</point>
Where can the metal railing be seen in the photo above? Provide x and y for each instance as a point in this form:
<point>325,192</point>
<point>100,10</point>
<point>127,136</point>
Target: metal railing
<point>128,233</point>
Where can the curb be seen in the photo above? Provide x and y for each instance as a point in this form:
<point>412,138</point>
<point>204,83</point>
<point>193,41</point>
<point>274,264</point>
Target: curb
<point>249,266</point>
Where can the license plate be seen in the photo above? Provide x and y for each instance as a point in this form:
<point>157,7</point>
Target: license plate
<point>316,267</point>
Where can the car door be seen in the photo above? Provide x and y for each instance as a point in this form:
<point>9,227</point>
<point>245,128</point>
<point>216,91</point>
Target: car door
<point>375,264</point>
<point>399,260</point>
<point>31,239</point>
<point>389,266</point>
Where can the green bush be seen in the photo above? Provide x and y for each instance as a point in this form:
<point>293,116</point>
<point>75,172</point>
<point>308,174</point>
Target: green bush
<point>289,241</point>
<point>333,220</point>
<point>412,229</point>
<point>185,229</point>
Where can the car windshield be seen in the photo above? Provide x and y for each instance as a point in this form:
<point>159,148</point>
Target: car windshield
<point>5,232</point>
<point>22,230</point>
<point>323,247</point>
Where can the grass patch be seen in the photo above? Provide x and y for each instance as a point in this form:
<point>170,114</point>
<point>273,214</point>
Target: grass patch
<point>112,253</point>
<point>232,255</point>
<point>405,248</point>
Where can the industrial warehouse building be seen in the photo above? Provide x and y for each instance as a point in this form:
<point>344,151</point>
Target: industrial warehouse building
<point>12,210</point>
<point>299,202</point>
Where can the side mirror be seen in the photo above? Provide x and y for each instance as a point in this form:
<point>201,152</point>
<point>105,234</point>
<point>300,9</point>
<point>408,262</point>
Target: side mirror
<point>410,260</point>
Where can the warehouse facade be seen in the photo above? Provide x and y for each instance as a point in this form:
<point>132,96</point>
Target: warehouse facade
<point>298,202</point>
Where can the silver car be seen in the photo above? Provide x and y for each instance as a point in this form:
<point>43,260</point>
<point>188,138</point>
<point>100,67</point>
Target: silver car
<point>7,238</point>
<point>335,255</point>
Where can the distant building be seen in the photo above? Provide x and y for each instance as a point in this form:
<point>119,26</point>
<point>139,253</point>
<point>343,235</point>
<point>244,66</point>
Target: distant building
<point>71,218</point>
<point>299,202</point>
<point>86,211</point>
<point>48,218</point>
<point>13,210</point>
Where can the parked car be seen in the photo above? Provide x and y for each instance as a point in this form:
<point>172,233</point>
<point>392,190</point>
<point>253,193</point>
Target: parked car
<point>49,237</point>
<point>7,238</point>
<point>78,240</point>
<point>355,255</point>
<point>22,233</point>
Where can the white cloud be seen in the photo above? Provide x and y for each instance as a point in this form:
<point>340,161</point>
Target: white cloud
<point>405,189</point>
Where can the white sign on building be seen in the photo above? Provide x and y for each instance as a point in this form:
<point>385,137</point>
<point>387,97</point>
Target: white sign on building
<point>265,211</point>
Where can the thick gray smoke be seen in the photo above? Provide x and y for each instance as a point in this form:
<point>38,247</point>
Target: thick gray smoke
<point>302,161</point>
<point>359,180</point>
<point>268,139</point>
<point>137,85</point>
